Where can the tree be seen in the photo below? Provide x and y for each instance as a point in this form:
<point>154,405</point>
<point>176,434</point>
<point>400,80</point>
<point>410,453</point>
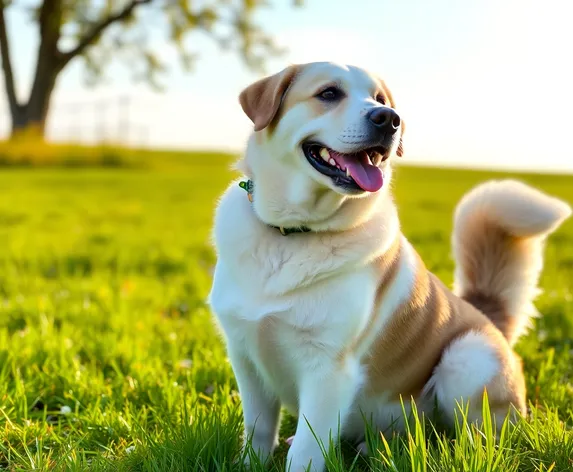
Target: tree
<point>100,30</point>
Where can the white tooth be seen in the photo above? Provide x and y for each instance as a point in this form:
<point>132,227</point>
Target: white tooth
<point>324,154</point>
<point>332,162</point>
<point>347,173</point>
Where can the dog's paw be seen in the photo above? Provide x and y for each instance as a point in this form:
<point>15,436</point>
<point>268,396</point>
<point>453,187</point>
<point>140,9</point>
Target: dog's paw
<point>302,459</point>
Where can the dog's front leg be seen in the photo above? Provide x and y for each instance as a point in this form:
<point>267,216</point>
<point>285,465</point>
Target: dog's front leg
<point>325,400</point>
<point>261,409</point>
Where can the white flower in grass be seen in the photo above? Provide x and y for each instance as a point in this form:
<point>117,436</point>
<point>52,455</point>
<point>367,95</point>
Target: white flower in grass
<point>65,410</point>
<point>185,363</point>
<point>129,449</point>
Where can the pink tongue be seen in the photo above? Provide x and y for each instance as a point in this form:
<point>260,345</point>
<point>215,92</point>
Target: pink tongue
<point>366,175</point>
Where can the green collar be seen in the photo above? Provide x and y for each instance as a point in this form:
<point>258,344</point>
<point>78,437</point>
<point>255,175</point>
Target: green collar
<point>248,186</point>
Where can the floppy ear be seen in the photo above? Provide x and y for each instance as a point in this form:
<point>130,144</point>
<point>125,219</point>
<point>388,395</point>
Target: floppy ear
<point>400,150</point>
<point>262,99</point>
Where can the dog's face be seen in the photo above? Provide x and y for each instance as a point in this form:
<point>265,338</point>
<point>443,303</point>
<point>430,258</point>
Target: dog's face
<point>337,122</point>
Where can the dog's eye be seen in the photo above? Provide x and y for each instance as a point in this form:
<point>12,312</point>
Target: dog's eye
<point>380,99</point>
<point>331,94</point>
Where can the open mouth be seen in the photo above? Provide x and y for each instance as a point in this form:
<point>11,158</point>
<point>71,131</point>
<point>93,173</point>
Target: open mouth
<point>355,171</point>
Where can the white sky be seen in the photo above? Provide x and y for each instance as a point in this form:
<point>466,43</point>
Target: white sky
<point>481,83</point>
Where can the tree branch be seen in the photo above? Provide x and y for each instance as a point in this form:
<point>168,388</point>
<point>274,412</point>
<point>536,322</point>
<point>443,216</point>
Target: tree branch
<point>98,28</point>
<point>7,63</point>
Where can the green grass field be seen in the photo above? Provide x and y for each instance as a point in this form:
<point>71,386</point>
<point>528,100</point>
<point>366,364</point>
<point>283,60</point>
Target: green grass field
<point>109,359</point>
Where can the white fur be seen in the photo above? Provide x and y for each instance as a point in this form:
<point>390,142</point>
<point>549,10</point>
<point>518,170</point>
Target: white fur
<point>522,210</point>
<point>322,284</point>
<point>467,365</point>
<point>316,290</point>
<point>319,283</point>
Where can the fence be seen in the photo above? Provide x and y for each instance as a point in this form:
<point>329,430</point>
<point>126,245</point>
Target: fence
<point>92,121</point>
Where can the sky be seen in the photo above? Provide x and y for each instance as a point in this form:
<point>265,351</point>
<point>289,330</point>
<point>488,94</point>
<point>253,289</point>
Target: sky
<point>479,83</point>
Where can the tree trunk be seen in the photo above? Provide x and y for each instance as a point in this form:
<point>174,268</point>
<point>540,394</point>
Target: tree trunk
<point>18,119</point>
<point>31,117</point>
<point>28,121</point>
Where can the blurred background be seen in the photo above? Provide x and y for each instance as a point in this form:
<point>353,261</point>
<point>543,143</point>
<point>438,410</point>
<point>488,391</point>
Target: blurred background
<point>480,83</point>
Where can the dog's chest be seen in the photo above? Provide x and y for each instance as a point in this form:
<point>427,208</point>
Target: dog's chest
<point>287,335</point>
<point>289,305</point>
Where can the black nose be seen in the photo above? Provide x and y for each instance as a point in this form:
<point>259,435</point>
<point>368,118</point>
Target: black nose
<point>384,118</point>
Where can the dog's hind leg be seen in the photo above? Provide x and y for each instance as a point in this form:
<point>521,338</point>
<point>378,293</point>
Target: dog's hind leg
<point>477,361</point>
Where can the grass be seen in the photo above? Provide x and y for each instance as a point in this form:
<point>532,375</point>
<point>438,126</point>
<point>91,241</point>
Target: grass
<point>32,153</point>
<point>109,360</point>
<point>29,152</point>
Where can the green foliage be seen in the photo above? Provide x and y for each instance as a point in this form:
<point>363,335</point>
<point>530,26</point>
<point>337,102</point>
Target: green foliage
<point>134,33</point>
<point>110,360</point>
<point>128,31</point>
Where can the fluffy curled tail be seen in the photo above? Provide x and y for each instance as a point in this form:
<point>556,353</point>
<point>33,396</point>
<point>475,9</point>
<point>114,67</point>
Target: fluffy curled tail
<point>499,233</point>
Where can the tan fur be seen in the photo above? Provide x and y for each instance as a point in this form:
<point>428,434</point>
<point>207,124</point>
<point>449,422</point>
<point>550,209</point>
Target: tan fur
<point>305,87</point>
<point>496,312</point>
<point>387,265</point>
<point>498,241</point>
<point>261,101</point>
<point>508,386</point>
<point>407,350</point>
<point>346,318</point>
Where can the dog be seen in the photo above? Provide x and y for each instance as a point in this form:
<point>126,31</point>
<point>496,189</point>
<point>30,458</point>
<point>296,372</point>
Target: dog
<point>325,307</point>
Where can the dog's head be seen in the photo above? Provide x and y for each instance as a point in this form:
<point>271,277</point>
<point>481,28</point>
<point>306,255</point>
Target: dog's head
<point>337,124</point>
